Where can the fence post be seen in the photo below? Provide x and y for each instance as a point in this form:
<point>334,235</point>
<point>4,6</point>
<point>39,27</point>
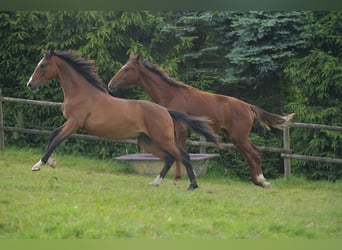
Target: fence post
<point>202,148</point>
<point>2,144</point>
<point>287,161</point>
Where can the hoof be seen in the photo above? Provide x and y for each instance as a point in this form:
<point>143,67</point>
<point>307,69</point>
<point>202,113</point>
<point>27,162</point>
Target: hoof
<point>157,181</point>
<point>261,181</point>
<point>192,187</point>
<point>152,183</point>
<point>53,164</point>
<point>266,185</point>
<point>176,178</point>
<point>35,168</point>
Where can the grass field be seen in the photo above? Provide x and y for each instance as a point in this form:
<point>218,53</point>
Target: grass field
<point>93,199</point>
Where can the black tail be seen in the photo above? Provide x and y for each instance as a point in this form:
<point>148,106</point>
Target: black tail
<point>196,124</point>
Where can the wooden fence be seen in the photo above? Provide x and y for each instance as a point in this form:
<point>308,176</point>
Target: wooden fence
<point>285,152</point>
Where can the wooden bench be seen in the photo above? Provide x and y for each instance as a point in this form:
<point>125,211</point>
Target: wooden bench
<point>149,164</point>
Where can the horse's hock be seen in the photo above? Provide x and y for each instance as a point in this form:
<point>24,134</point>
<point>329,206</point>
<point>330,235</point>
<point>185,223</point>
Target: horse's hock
<point>149,164</point>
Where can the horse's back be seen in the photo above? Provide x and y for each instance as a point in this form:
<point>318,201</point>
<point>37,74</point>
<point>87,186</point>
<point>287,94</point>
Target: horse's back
<point>223,111</point>
<point>152,110</point>
<point>144,111</point>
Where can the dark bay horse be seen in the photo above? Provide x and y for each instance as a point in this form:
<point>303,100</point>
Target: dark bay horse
<point>88,106</point>
<point>233,116</point>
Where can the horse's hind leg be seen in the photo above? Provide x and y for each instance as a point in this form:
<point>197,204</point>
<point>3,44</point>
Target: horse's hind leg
<point>180,155</point>
<point>149,146</point>
<point>259,178</point>
<point>238,131</point>
<point>252,156</point>
<point>169,160</point>
<point>189,170</point>
<point>168,152</point>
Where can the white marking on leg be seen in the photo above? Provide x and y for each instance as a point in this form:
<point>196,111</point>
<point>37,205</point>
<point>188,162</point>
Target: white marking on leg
<point>261,179</point>
<point>36,166</point>
<point>156,181</point>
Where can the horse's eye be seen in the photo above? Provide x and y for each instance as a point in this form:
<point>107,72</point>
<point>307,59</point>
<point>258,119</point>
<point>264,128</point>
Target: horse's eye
<point>126,69</point>
<point>42,66</point>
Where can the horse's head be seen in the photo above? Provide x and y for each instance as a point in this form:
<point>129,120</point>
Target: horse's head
<point>128,75</point>
<point>44,71</point>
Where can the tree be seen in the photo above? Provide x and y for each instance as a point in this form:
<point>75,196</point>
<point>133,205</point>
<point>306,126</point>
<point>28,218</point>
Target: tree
<point>316,80</point>
<point>19,39</point>
<point>240,53</point>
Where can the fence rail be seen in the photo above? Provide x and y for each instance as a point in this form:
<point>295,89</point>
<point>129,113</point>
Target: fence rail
<point>285,152</point>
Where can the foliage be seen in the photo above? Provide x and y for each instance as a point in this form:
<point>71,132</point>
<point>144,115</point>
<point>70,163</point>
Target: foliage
<point>316,79</point>
<point>241,54</point>
<point>262,41</point>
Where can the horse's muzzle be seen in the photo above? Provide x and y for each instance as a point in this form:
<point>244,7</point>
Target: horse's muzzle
<point>112,87</point>
<point>32,87</point>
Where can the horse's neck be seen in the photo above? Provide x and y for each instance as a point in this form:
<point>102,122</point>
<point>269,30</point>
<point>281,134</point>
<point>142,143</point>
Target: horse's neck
<point>70,81</point>
<point>160,91</point>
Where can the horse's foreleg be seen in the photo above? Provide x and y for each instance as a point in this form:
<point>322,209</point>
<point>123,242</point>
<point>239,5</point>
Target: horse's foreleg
<point>50,161</point>
<point>178,173</point>
<point>55,138</point>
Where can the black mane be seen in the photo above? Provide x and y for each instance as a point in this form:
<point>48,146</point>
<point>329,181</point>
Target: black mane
<point>84,67</point>
<point>157,70</point>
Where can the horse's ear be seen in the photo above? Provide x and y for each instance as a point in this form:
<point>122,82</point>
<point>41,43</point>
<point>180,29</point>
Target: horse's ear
<point>131,55</point>
<point>139,56</point>
<point>47,54</point>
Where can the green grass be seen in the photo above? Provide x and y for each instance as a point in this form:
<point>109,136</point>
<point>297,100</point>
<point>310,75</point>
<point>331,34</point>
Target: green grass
<point>87,198</point>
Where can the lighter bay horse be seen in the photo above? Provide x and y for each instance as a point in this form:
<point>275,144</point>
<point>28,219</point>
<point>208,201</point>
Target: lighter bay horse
<point>233,116</point>
<point>88,106</point>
